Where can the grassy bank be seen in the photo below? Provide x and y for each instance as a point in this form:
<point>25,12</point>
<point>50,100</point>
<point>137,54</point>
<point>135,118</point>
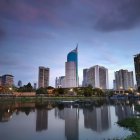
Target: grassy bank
<point>137,107</point>
<point>133,124</point>
<point>53,98</point>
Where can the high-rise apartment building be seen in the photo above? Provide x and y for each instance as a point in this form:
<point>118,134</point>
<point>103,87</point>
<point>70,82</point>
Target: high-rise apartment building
<point>71,69</point>
<point>96,76</point>
<point>124,79</point>
<point>7,80</point>
<point>137,68</point>
<point>43,77</point>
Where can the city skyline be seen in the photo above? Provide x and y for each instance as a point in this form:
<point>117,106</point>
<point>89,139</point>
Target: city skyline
<point>40,33</point>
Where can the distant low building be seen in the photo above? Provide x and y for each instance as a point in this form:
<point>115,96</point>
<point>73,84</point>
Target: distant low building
<point>60,82</point>
<point>7,80</point>
<point>35,86</point>
<point>19,83</point>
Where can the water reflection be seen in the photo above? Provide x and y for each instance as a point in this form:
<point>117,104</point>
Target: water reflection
<point>123,111</point>
<point>71,118</point>
<point>75,120</point>
<point>97,118</point>
<point>41,119</point>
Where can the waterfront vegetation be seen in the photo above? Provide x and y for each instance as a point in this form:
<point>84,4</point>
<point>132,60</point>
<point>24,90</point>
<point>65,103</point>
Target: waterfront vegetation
<point>137,107</point>
<point>132,124</point>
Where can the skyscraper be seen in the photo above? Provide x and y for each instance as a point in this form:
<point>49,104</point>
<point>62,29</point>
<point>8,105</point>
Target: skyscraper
<point>124,79</point>
<point>137,68</point>
<point>71,68</point>
<point>43,77</point>
<point>96,76</point>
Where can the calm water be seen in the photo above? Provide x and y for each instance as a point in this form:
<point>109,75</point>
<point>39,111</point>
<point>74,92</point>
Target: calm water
<point>55,121</point>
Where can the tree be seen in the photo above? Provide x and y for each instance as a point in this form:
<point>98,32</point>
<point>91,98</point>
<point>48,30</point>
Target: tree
<point>98,92</point>
<point>41,91</point>
<point>26,88</point>
<point>88,91</point>
<point>60,91</point>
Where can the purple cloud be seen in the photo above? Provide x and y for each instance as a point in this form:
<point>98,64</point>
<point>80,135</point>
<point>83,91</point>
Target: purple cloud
<point>117,15</point>
<point>2,34</point>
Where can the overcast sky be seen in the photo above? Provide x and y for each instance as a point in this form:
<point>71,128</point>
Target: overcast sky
<point>37,33</point>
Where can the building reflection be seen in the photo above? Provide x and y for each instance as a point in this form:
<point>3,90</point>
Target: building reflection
<point>41,119</point>
<point>123,111</point>
<point>97,118</point>
<point>5,115</point>
<point>71,117</point>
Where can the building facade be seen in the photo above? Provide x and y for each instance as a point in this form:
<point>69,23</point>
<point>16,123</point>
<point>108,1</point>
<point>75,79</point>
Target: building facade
<point>124,80</point>
<point>96,76</point>
<point>19,83</point>
<point>137,68</point>
<point>60,82</point>
<point>71,69</point>
<point>43,77</point>
<point>7,80</point>
<point>85,80</point>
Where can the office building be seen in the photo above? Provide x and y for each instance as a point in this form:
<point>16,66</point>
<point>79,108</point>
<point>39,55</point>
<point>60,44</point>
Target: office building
<point>71,69</point>
<point>7,80</point>
<point>124,79</point>
<point>96,76</point>
<point>35,86</point>
<point>19,83</point>
<point>60,82</point>
<point>43,77</point>
<point>137,68</point>
<point>85,80</point>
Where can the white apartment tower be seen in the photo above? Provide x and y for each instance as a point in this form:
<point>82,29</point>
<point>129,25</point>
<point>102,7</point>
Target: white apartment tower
<point>96,76</point>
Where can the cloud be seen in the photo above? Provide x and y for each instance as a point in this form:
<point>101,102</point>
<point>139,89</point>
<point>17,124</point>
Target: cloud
<point>111,15</point>
<point>103,15</point>
<point>9,63</point>
<point>33,11</point>
<point>33,34</point>
<point>114,15</point>
<point>2,34</point>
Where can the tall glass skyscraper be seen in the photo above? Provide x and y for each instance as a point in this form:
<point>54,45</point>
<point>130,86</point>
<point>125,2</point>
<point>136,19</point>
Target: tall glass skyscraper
<point>71,68</point>
<point>137,68</point>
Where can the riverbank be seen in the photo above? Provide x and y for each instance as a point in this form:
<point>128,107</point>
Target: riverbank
<point>51,98</point>
<point>133,124</point>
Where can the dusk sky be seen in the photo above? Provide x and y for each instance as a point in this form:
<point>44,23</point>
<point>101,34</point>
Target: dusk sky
<point>37,33</point>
